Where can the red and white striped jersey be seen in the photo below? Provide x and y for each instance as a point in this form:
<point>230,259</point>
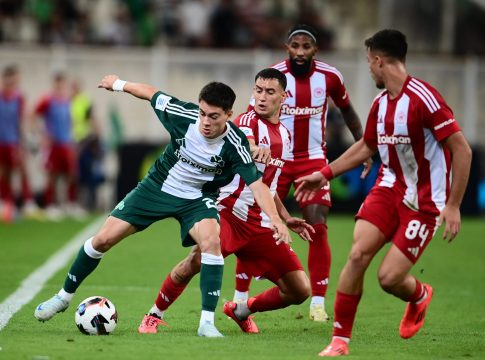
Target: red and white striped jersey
<point>407,131</point>
<point>304,112</point>
<point>237,196</point>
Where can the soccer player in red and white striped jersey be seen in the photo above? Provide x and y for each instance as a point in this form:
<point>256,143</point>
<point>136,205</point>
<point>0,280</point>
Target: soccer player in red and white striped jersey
<point>420,145</point>
<point>245,229</point>
<point>310,85</point>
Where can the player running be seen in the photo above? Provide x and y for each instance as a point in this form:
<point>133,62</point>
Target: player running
<point>204,154</point>
<point>245,227</point>
<point>311,83</point>
<point>418,139</point>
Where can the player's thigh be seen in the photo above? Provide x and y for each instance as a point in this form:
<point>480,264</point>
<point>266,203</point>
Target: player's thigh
<point>415,231</point>
<point>263,257</point>
<point>368,240</point>
<point>146,204</point>
<point>199,223</point>
<point>315,213</point>
<point>112,232</point>
<point>394,267</point>
<point>294,282</point>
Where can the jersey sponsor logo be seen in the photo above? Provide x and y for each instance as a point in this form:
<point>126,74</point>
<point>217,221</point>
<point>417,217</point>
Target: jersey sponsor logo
<point>318,92</point>
<point>393,139</point>
<point>162,102</point>
<point>276,162</point>
<point>307,110</point>
<point>444,123</point>
<point>198,166</point>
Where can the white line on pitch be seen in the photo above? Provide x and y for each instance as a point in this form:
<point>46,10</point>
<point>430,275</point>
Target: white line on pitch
<point>31,285</point>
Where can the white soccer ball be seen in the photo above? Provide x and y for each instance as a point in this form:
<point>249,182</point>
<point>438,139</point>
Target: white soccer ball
<point>96,315</point>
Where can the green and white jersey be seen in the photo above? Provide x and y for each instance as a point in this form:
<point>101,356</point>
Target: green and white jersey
<point>193,165</point>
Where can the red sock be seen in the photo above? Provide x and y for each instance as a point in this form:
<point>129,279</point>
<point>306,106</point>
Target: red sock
<point>243,278</point>
<point>169,292</point>
<point>319,259</point>
<point>345,309</point>
<point>72,191</point>
<point>266,301</point>
<point>6,189</point>
<point>49,195</point>
<point>26,191</point>
<point>418,292</point>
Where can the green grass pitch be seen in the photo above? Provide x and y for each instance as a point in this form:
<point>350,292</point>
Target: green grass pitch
<point>130,276</point>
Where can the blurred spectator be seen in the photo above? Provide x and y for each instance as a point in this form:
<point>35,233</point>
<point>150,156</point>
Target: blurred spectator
<point>86,132</point>
<point>194,22</point>
<point>61,160</point>
<point>12,157</point>
<point>224,24</point>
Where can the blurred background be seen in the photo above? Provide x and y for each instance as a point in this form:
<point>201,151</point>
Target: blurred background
<point>180,45</point>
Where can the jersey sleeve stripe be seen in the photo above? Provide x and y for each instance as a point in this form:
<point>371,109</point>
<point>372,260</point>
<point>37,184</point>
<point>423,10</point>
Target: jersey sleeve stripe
<point>332,70</point>
<point>426,90</point>
<point>177,113</point>
<point>281,66</point>
<point>241,150</point>
<point>176,107</point>
<point>423,97</point>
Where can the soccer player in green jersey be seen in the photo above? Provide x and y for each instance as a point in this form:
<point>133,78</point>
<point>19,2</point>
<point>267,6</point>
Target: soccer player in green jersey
<point>205,152</point>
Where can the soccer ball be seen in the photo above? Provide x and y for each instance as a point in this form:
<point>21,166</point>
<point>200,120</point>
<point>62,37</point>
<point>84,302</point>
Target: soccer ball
<point>96,315</point>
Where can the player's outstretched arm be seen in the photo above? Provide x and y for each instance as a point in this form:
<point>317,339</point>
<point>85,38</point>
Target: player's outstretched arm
<point>114,83</point>
<point>295,224</point>
<point>461,158</point>
<point>354,156</point>
<point>265,200</point>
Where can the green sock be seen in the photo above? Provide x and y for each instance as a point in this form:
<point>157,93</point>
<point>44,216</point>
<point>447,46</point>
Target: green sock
<point>211,271</point>
<point>82,267</point>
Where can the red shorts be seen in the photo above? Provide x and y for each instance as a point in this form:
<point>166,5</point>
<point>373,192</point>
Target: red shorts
<point>256,248</point>
<point>62,159</point>
<point>292,170</point>
<point>10,156</point>
<point>411,231</point>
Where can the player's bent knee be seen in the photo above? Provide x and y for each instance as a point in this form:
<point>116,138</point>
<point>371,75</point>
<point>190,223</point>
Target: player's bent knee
<point>359,259</point>
<point>210,244</point>
<point>389,281</point>
<point>103,242</point>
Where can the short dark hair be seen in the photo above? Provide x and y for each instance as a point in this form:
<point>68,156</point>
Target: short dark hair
<point>303,29</point>
<point>270,73</point>
<point>218,94</point>
<point>10,70</point>
<point>391,42</point>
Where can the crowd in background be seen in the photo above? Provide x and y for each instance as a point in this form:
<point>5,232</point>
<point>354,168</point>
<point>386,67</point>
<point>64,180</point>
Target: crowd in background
<point>443,26</point>
<point>194,23</point>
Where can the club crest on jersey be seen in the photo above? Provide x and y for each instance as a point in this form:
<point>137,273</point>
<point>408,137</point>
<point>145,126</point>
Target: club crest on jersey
<point>318,92</point>
<point>216,159</point>
<point>401,117</point>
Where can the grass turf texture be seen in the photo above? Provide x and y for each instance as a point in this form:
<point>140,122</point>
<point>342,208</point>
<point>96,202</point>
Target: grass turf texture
<point>130,276</point>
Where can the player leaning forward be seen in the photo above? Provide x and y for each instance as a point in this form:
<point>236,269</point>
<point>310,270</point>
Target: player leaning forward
<point>204,153</point>
<point>419,142</point>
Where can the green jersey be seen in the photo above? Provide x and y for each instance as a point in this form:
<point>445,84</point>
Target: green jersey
<point>193,165</point>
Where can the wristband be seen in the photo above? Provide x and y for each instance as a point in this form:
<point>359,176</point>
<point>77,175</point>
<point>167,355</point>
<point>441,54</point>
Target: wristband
<point>327,172</point>
<point>118,85</point>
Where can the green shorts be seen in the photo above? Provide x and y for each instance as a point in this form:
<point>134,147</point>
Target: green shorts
<point>147,204</point>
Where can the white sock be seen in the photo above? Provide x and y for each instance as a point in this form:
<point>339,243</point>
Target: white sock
<point>347,340</point>
<point>65,295</point>
<point>240,296</point>
<point>91,251</point>
<point>318,300</point>
<point>155,310</point>
<point>206,316</point>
